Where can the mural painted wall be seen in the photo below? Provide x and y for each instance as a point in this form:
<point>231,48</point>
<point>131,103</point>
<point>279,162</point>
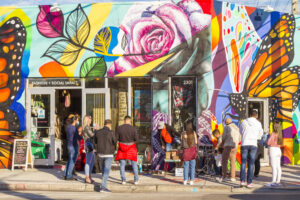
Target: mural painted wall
<point>97,40</point>
<point>236,52</point>
<point>255,54</point>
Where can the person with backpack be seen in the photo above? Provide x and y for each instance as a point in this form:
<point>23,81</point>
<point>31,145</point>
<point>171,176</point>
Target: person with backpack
<point>274,142</point>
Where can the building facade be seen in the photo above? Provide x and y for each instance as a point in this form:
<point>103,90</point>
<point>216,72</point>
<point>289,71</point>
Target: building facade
<point>157,61</point>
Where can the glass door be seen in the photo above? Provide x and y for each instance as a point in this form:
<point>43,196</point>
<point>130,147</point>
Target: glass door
<point>40,127</point>
<point>96,103</point>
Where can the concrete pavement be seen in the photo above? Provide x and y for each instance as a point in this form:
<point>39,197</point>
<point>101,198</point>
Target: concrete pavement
<point>41,179</point>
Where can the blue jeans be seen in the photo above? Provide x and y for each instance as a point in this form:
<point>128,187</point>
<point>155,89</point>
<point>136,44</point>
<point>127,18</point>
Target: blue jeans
<point>89,164</point>
<point>106,165</point>
<point>189,166</point>
<point>134,167</point>
<point>168,146</point>
<point>72,153</point>
<point>247,152</point>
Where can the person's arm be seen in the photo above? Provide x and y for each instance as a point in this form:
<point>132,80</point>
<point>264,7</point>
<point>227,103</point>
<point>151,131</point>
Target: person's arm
<point>95,141</point>
<point>136,136</point>
<point>163,145</point>
<point>225,135</point>
<point>117,134</point>
<point>196,140</point>
<point>114,139</point>
<point>88,131</point>
<point>270,140</point>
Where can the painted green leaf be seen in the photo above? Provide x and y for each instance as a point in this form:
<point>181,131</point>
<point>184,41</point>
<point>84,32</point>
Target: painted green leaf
<point>93,67</point>
<point>102,41</point>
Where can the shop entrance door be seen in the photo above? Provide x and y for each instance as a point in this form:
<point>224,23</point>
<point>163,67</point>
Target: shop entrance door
<point>96,103</point>
<point>261,106</point>
<point>40,115</point>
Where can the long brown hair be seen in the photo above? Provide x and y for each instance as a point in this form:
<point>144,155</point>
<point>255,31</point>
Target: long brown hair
<point>190,133</point>
<point>277,130</point>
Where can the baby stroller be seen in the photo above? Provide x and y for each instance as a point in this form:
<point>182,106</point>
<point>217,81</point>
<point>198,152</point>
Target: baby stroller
<point>205,158</point>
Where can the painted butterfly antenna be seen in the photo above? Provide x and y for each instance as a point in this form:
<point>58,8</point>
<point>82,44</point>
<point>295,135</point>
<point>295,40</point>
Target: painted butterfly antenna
<point>228,93</point>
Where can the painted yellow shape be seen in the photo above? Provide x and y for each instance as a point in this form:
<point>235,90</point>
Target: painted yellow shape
<point>144,69</point>
<point>285,125</point>
<point>5,10</point>
<point>97,16</point>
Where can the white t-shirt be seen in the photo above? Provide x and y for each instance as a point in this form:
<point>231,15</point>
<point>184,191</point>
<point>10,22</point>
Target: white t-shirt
<point>251,131</point>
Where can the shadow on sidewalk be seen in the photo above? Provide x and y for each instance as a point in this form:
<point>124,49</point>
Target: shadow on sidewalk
<point>26,195</point>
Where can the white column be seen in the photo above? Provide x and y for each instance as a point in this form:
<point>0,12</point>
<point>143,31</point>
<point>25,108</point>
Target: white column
<point>129,97</point>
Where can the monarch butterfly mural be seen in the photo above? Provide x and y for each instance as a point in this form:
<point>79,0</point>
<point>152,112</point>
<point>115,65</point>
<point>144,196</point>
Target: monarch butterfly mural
<point>255,56</point>
<point>12,44</point>
<point>269,75</point>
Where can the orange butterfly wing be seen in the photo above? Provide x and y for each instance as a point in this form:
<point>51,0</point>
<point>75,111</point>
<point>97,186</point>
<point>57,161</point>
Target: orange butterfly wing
<point>276,52</point>
<point>270,76</point>
<point>12,45</point>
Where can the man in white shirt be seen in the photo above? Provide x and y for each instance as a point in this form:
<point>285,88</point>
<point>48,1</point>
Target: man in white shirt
<point>251,131</point>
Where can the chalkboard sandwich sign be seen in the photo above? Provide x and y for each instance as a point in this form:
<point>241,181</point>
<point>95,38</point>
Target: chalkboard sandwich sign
<point>21,153</point>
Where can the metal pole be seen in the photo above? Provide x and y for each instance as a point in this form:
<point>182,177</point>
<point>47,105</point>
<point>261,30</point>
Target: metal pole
<point>294,7</point>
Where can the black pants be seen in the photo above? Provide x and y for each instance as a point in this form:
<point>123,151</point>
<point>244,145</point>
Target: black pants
<point>98,164</point>
<point>257,165</point>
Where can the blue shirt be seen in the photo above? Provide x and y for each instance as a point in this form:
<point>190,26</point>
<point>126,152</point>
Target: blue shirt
<point>72,136</point>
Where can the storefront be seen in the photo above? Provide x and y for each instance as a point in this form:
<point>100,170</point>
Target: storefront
<point>50,101</point>
<point>170,61</point>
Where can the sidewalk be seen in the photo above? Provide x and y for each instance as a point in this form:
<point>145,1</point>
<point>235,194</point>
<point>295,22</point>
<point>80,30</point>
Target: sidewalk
<point>50,180</point>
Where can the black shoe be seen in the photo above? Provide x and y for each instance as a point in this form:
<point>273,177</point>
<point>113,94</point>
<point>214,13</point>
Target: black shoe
<point>64,178</point>
<point>71,179</point>
<point>104,190</point>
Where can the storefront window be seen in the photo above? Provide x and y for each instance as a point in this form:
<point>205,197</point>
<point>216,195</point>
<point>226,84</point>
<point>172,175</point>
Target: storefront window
<point>142,110</point>
<point>95,82</point>
<point>118,100</point>
<point>183,102</point>
<point>40,125</point>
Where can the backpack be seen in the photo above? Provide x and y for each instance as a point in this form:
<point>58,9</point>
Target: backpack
<point>166,136</point>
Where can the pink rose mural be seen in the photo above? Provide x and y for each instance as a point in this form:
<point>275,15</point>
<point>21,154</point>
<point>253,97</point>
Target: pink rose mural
<point>154,31</point>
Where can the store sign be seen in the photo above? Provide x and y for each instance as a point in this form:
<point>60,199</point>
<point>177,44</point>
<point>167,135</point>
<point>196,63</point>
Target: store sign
<point>54,82</point>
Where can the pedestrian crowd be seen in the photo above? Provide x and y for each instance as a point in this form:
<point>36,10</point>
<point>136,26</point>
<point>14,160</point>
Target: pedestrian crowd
<point>103,141</point>
<point>251,137</point>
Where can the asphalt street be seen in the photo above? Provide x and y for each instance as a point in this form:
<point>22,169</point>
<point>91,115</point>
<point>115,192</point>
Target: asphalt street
<point>45,195</point>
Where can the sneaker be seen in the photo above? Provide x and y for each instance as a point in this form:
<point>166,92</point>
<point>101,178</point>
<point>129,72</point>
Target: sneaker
<point>104,190</point>
<point>136,182</point>
<point>250,185</point>
<point>219,179</point>
<point>278,185</point>
<point>271,185</point>
<point>242,184</point>
<point>232,179</point>
<point>184,182</point>
<point>191,182</point>
<point>225,179</point>
<point>123,182</point>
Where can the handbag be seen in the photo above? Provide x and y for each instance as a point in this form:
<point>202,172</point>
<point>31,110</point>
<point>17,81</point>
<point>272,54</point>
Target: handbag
<point>189,153</point>
<point>89,147</point>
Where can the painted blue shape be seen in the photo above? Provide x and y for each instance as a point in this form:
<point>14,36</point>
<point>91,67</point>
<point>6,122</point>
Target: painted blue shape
<point>217,7</point>
<point>231,28</point>
<point>264,21</point>
<point>232,6</point>
<point>113,43</point>
<point>20,111</point>
<point>223,99</point>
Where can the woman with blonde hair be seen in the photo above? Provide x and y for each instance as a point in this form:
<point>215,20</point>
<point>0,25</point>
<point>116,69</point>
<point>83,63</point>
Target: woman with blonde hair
<point>274,142</point>
<point>189,145</point>
<point>88,135</point>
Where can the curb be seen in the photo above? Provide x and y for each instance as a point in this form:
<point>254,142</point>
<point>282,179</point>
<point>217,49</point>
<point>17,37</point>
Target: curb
<point>73,187</point>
